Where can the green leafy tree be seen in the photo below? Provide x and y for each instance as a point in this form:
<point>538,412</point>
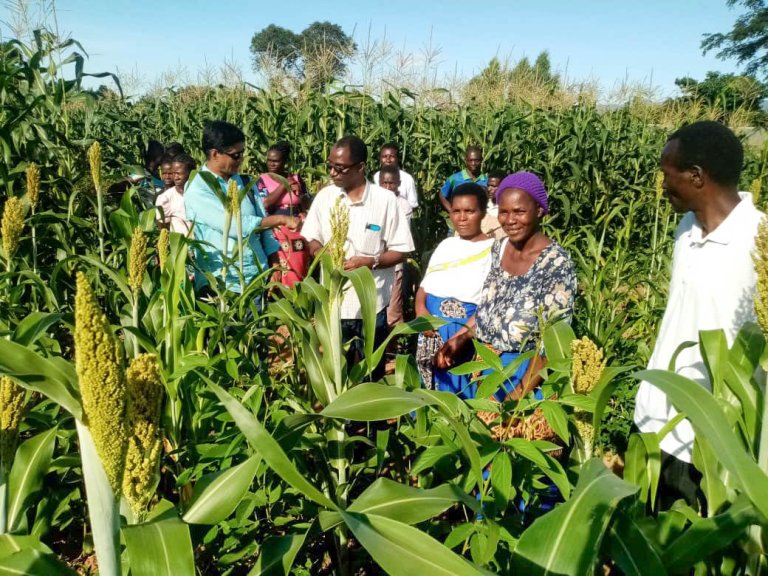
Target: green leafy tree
<point>725,91</point>
<point>747,41</point>
<point>318,54</point>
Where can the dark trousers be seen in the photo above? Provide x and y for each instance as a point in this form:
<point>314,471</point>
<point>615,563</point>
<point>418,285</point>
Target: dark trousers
<point>352,332</point>
<point>679,480</point>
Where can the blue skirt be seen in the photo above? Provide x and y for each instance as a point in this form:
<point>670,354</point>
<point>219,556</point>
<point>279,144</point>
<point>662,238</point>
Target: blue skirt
<point>456,313</point>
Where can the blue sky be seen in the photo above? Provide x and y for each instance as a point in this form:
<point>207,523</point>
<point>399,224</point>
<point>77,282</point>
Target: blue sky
<point>650,42</point>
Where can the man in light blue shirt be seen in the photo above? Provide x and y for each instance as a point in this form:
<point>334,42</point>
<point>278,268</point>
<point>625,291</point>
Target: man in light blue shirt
<point>224,147</point>
<point>473,159</point>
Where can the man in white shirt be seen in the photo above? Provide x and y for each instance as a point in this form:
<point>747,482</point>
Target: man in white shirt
<point>712,284</point>
<point>388,156</point>
<point>378,236</point>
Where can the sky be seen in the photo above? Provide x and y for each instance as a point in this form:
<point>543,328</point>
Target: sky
<point>647,42</point>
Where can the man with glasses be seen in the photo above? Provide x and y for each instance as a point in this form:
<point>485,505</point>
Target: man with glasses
<point>224,147</point>
<point>378,237</point>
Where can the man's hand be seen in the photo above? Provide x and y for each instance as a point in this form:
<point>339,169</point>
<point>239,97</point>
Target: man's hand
<point>359,262</point>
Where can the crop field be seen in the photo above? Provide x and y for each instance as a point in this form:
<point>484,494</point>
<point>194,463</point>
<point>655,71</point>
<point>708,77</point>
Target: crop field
<point>146,432</point>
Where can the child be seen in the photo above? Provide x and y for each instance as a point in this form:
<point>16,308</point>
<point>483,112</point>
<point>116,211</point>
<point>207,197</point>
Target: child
<point>171,202</point>
<point>166,171</point>
<point>490,224</point>
<point>389,179</point>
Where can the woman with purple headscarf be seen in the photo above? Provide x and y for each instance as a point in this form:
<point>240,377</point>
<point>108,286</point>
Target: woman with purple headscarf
<point>531,277</point>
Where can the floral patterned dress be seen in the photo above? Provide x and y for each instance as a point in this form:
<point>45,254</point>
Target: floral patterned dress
<point>510,306</point>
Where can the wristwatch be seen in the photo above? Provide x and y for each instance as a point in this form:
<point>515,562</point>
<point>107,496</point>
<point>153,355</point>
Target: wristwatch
<point>375,261</point>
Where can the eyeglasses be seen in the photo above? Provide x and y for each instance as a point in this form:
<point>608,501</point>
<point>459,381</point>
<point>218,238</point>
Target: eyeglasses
<point>339,169</point>
<point>236,156</point>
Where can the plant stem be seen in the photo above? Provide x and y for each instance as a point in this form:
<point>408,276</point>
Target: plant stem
<point>3,500</point>
<point>34,243</point>
<point>100,205</point>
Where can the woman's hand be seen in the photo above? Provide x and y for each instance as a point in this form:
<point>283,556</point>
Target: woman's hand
<point>421,310</point>
<point>445,358</point>
<point>292,223</point>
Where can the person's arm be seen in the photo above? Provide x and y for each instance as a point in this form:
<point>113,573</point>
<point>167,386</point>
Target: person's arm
<point>386,260</point>
<point>272,198</point>
<point>276,220</point>
<point>421,309</point>
<point>314,248</point>
<point>446,356</point>
<point>204,207</point>
<point>443,195</point>
<point>531,380</point>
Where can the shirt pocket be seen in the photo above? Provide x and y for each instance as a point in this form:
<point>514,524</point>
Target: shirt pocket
<point>372,239</point>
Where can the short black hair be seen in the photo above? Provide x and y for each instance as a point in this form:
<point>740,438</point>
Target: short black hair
<point>394,170</point>
<point>390,146</point>
<point>284,147</point>
<point>358,151</point>
<point>154,151</point>
<point>473,148</point>
<point>711,146</point>
<point>167,158</point>
<point>471,189</point>
<point>185,159</point>
<point>174,149</point>
<point>498,174</point>
<point>218,135</point>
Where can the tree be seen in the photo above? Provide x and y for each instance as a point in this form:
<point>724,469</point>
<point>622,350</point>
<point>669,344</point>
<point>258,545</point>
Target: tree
<point>727,92</point>
<point>318,54</point>
<point>748,39</point>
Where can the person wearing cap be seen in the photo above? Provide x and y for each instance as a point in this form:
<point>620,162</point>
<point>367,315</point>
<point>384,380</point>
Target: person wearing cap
<point>531,277</point>
<point>452,285</point>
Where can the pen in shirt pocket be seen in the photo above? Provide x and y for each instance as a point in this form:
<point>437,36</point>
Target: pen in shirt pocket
<point>373,227</point>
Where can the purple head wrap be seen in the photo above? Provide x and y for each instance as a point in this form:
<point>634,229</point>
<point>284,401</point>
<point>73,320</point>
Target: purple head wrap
<point>527,182</point>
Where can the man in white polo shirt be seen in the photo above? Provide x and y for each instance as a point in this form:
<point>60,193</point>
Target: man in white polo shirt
<point>712,285</point>
<point>378,237</point>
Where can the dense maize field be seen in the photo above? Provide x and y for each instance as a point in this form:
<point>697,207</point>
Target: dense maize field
<point>145,432</point>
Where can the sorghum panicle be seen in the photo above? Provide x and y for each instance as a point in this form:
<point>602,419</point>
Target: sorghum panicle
<point>98,361</point>
<point>12,400</point>
<point>145,400</point>
<point>33,185</point>
<point>755,188</point>
<point>94,159</point>
<point>12,225</point>
<point>760,259</point>
<point>137,260</point>
<point>588,365</point>
<point>659,185</point>
<point>339,231</point>
<point>163,246</point>
<point>232,195</point>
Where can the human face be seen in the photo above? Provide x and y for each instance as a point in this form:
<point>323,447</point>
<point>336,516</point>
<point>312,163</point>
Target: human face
<point>493,186</point>
<point>275,162</point>
<point>519,215</point>
<point>388,157</point>
<point>180,175</point>
<point>466,216</point>
<point>227,161</point>
<point>166,173</point>
<point>679,185</point>
<point>474,162</point>
<point>390,181</point>
<point>345,173</point>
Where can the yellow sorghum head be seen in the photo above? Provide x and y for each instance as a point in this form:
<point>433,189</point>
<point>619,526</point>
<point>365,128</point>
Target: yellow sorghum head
<point>12,398</point>
<point>137,260</point>
<point>760,259</point>
<point>163,246</point>
<point>145,401</point>
<point>232,194</point>
<point>98,361</point>
<point>586,432</point>
<point>33,184</point>
<point>94,159</point>
<point>659,185</point>
<point>12,225</point>
<point>588,365</point>
<point>339,231</point>
<point>755,188</point>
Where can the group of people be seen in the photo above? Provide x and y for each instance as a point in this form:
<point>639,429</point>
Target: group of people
<point>498,276</point>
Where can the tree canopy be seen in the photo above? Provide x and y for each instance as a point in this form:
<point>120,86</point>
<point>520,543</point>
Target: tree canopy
<point>317,54</point>
<point>727,92</point>
<point>747,41</point>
